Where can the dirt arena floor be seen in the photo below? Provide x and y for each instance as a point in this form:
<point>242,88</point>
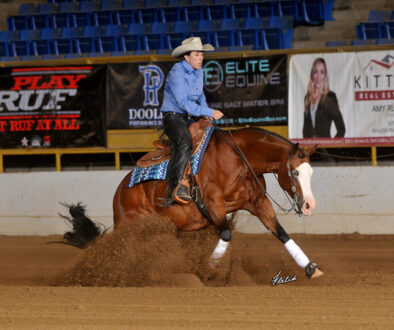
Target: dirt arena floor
<point>151,276</point>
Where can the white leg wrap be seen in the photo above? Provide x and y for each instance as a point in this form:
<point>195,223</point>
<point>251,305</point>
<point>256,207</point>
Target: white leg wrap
<point>300,258</point>
<point>219,252</point>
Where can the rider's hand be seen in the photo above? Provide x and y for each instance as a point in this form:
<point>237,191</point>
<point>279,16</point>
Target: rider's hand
<point>217,114</point>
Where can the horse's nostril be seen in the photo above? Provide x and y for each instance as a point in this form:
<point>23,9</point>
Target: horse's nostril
<point>307,206</point>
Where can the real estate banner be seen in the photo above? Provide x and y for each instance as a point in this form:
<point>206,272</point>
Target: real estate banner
<point>342,98</point>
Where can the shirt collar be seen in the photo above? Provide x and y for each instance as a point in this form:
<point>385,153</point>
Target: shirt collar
<point>189,68</point>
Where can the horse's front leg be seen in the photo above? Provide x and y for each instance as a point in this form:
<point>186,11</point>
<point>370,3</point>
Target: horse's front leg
<point>264,211</point>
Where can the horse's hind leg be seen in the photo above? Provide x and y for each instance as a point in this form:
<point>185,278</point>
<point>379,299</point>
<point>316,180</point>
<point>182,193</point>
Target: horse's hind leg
<point>267,216</point>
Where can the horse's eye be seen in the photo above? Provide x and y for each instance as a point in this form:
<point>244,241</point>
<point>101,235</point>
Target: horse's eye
<point>295,172</point>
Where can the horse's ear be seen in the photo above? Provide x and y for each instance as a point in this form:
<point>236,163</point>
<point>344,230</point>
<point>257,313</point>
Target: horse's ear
<point>311,150</point>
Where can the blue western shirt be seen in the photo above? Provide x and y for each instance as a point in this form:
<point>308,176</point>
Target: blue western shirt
<point>183,91</point>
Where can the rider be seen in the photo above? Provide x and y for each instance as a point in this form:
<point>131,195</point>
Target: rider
<point>184,102</point>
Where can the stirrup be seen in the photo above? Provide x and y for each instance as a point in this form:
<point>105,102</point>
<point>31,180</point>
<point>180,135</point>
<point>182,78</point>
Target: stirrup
<point>183,198</point>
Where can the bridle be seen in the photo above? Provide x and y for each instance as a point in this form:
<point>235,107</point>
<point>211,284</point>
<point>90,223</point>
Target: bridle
<point>291,173</point>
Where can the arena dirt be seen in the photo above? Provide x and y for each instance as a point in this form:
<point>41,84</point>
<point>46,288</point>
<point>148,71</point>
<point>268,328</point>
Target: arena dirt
<point>147,275</point>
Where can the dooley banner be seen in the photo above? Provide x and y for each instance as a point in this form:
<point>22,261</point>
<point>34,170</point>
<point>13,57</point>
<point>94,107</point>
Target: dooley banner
<point>248,91</point>
<point>342,99</point>
<point>52,107</point>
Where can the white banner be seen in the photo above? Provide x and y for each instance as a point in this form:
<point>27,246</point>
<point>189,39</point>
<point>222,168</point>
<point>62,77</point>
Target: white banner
<point>342,98</point>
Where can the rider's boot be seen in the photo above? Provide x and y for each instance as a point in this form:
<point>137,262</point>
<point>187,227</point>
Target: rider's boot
<point>181,193</point>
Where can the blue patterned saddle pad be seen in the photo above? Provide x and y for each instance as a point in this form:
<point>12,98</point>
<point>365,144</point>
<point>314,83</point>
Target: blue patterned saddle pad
<point>159,171</point>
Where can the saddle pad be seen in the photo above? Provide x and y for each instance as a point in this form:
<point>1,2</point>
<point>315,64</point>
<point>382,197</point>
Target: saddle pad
<point>159,171</point>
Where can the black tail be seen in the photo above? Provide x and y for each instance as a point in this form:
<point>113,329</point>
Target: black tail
<point>84,230</point>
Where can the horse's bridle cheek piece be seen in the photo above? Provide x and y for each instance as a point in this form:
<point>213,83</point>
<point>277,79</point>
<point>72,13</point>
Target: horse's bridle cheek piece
<point>292,179</point>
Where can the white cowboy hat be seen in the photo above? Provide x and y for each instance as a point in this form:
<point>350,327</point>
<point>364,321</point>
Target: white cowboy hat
<point>191,44</point>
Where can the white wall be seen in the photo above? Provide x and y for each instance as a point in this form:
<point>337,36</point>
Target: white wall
<point>349,199</point>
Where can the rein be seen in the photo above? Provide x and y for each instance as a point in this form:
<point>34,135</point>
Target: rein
<point>293,202</point>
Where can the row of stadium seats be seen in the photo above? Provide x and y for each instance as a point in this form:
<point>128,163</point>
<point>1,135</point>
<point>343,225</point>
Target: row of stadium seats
<point>359,42</point>
<point>113,12</point>
<point>375,30</point>
<point>269,38</point>
<point>380,16</point>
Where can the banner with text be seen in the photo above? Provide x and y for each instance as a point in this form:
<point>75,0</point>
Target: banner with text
<point>52,107</point>
<point>342,98</point>
<point>248,91</point>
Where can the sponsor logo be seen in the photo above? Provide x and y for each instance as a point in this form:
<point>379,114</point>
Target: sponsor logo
<point>153,80</point>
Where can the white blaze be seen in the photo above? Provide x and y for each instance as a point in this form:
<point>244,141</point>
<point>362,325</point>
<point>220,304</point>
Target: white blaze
<point>304,178</point>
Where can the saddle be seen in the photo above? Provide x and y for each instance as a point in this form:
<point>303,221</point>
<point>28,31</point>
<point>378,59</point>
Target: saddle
<point>162,151</point>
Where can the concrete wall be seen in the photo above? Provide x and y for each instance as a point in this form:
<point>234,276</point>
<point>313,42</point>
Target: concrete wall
<point>349,199</point>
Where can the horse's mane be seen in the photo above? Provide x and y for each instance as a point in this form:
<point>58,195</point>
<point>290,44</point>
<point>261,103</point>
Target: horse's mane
<point>274,135</point>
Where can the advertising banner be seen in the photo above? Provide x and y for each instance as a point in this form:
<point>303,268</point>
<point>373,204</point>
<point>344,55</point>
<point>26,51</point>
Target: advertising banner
<point>342,99</point>
<point>52,107</point>
<point>249,90</point>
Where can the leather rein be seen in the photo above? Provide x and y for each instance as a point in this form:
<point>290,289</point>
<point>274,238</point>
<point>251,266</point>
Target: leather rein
<point>292,176</point>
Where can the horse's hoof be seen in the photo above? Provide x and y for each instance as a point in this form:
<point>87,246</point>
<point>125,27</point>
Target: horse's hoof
<point>312,270</point>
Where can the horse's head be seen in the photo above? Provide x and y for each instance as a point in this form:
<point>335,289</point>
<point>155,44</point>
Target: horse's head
<point>295,177</point>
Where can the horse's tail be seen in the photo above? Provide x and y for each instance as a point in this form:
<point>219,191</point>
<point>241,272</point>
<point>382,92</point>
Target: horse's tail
<point>84,230</point>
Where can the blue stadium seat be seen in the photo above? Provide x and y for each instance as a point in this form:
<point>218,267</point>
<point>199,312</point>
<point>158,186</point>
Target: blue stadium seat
<point>273,37</point>
<point>285,23</point>
<point>67,7</point>
<point>328,6</point>
<point>216,12</point>
<point>177,3</point>
<point>161,27</point>
<point>241,10</point>
<point>363,42</point>
<point>130,43</point>
<point>18,22</point>
<point>369,30</point>
<point>312,12</point>
<point>205,36</point>
<point>155,3</point>
<point>114,30</point>
<point>248,37</point>
<point>109,4</point>
<point>103,17</point>
<point>289,8</point>
<point>4,49</point>
<point>170,14</point>
<point>30,58</point>
<point>49,57</point>
<point>147,15</point>
<point>175,39</point>
<point>20,48</point>
<point>59,20</point>
<point>88,6</point>
<point>256,22</point>
<point>85,45</point>
<point>385,41</point>
<point>125,16</point>
<point>70,32</point>
<point>137,29</point>
<point>193,13</point>
<point>41,47</point>
<point>388,28</point>
<point>91,31</point>
<point>129,4</point>
<point>164,51</point>
<point>338,43</point>
<point>184,26</point>
<point>223,38</point>
<point>107,44</point>
<point>40,21</point>
<point>208,25</point>
<point>29,34</point>
<point>239,48</point>
<point>8,35</point>
<point>378,16</point>
<point>63,46</point>
<point>27,9</point>
<point>49,33</point>
<point>47,8</point>
<point>230,24</point>
<point>263,9</point>
<point>80,19</point>
<point>154,41</point>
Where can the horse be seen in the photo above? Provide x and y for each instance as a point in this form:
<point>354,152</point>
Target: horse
<point>230,179</point>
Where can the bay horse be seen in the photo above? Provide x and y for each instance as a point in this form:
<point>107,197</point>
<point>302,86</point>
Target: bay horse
<point>230,179</point>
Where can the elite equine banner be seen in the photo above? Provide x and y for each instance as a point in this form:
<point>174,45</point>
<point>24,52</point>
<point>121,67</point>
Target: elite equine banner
<point>249,90</point>
<point>342,98</point>
<point>52,107</point>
